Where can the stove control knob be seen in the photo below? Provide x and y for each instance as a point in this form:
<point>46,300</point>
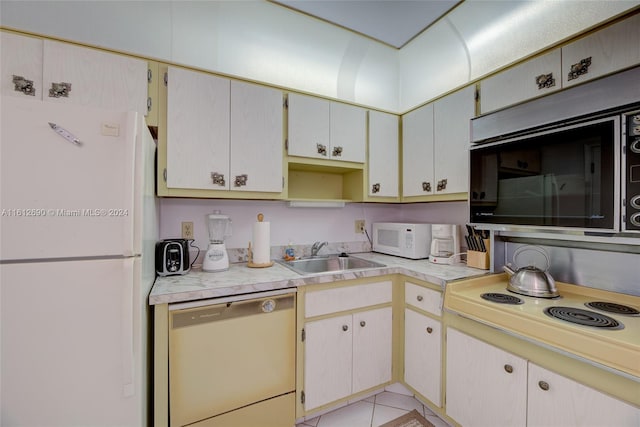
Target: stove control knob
<point>543,385</point>
<point>268,306</point>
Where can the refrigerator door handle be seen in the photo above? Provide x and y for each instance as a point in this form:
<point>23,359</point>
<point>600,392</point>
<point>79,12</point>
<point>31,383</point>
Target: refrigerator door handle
<point>128,385</point>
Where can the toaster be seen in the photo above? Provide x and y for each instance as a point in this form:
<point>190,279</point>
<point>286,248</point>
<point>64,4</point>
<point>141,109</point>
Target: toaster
<point>172,257</point>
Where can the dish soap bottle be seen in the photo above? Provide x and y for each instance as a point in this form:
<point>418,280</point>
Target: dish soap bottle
<point>289,254</point>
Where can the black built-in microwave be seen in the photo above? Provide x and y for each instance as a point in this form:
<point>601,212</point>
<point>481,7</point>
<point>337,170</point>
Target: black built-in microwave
<point>579,172</point>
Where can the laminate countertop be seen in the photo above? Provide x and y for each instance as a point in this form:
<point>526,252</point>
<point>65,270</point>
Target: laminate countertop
<point>240,279</point>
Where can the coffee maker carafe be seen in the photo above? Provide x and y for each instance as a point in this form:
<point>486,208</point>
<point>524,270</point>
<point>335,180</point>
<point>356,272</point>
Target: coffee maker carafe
<point>216,258</point>
<point>445,246</point>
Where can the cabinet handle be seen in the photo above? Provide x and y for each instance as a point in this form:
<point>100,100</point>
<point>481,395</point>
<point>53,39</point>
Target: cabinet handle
<point>419,298</point>
<point>363,323</point>
<point>579,68</point>
<point>241,180</point>
<point>218,179</point>
<point>508,368</point>
<point>59,90</point>
<point>322,149</point>
<point>545,81</point>
<point>20,84</point>
<point>543,385</point>
<point>375,188</point>
<point>345,328</point>
<point>337,152</point>
<point>426,186</point>
<point>442,184</point>
<point>429,329</point>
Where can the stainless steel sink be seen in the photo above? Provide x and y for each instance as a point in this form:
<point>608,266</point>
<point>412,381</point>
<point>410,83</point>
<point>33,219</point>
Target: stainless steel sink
<point>330,263</point>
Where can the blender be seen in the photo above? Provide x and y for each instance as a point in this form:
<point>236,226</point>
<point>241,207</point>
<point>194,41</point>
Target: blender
<point>216,258</point>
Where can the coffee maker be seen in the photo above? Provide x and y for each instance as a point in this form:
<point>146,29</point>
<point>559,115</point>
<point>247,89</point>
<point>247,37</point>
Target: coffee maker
<point>445,244</point>
<point>216,258</point>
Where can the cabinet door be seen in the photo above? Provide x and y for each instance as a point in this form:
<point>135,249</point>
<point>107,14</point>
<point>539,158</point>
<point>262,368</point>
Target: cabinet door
<point>537,77</point>
<point>371,348</point>
<point>558,401</point>
<point>256,138</point>
<point>611,49</point>
<point>486,386</point>
<point>348,132</point>
<point>328,360</point>
<point>452,130</point>
<point>197,130</point>
<point>308,126</point>
<point>21,56</point>
<point>417,152</point>
<point>383,154</point>
<point>97,78</point>
<point>422,355</point>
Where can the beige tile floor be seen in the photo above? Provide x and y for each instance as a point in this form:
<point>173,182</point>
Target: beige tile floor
<point>373,411</point>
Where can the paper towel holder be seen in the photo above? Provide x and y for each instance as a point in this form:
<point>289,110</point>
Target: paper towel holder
<point>250,262</point>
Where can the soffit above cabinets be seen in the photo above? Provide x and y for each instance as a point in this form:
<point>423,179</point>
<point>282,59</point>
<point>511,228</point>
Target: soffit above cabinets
<point>392,22</point>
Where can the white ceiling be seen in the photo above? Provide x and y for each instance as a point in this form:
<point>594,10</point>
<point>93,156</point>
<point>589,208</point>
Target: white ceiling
<point>393,22</point>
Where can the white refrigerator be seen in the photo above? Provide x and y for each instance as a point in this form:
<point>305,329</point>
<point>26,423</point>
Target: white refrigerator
<point>78,226</point>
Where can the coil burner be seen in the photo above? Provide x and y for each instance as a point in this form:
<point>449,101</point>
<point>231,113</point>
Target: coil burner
<point>612,307</point>
<point>583,317</point>
<point>501,298</point>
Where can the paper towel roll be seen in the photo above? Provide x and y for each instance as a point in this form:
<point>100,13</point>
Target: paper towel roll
<point>261,244</point>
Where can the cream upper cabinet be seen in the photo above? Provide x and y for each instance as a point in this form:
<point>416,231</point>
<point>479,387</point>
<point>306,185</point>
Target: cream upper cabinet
<point>198,132</point>
<point>536,77</point>
<point>21,65</point>
<point>324,129</point>
<point>79,75</point>
<point>554,400</point>
<point>422,355</point>
<point>452,129</point>
<point>67,73</point>
<point>222,135</point>
<point>611,49</point>
<point>383,154</point>
<point>417,152</point>
<point>256,138</point>
<point>486,386</point>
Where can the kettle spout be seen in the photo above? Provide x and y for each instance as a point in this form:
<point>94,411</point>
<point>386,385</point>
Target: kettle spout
<point>508,270</point>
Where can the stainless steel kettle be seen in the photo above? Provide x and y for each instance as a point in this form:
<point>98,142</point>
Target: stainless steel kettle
<point>531,280</point>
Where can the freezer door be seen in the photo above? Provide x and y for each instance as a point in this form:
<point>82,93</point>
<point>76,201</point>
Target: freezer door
<point>73,344</point>
<point>60,198</point>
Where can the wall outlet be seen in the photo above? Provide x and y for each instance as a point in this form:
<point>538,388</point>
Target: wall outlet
<point>359,226</point>
<point>187,230</point>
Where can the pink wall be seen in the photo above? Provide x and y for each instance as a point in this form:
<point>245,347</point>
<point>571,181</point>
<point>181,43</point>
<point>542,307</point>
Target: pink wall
<point>299,226</point>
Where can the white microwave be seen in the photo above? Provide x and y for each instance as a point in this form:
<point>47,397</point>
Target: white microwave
<point>402,239</point>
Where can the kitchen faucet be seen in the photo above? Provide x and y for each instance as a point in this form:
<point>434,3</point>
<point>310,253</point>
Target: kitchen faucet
<point>316,247</point>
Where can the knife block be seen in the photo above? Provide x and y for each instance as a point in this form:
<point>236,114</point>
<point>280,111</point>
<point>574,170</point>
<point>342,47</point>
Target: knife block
<point>479,259</point>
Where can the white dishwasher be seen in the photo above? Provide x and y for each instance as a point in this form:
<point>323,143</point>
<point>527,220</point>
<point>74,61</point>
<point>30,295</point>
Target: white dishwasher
<point>232,363</point>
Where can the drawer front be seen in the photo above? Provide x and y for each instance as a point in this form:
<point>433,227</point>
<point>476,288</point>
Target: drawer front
<point>347,298</point>
<point>423,298</point>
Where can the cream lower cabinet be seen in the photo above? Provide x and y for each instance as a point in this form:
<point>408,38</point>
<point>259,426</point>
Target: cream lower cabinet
<point>485,386</point>
<point>347,347</point>
<point>345,355</point>
<point>554,400</point>
<point>422,354</point>
<point>222,134</point>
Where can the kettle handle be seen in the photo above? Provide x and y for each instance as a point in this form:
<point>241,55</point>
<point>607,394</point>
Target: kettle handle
<point>538,249</point>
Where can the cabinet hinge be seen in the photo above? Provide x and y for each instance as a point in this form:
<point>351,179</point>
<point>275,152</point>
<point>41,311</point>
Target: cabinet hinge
<point>283,182</point>
<point>302,397</point>
<point>285,102</point>
<point>286,144</point>
<point>303,335</point>
<point>164,174</point>
<point>149,75</point>
<point>166,79</point>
